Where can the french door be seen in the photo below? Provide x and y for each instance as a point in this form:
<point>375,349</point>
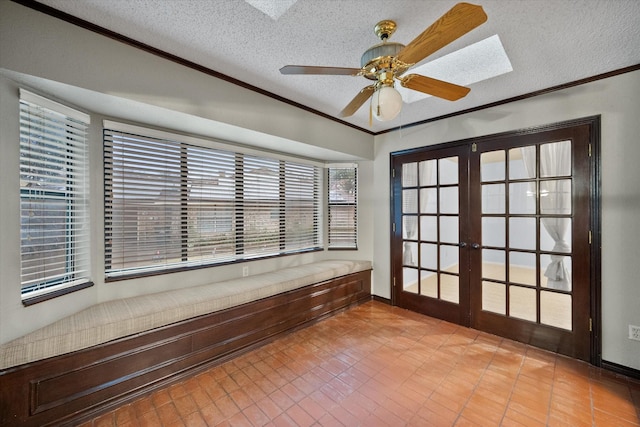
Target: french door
<point>496,233</point>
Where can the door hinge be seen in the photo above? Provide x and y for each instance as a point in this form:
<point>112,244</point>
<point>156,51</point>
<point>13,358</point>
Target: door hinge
<point>393,173</point>
<point>590,324</point>
<point>394,282</point>
<point>589,150</point>
<point>474,147</point>
<point>394,227</point>
<point>589,236</point>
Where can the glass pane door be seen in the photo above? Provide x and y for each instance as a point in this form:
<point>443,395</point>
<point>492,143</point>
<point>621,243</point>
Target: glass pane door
<point>429,191</point>
<point>494,234</point>
<point>526,233</point>
<point>530,276</point>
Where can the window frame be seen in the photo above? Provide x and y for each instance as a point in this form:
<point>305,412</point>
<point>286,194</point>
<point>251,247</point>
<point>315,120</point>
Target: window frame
<point>342,204</point>
<point>239,203</point>
<point>72,166</point>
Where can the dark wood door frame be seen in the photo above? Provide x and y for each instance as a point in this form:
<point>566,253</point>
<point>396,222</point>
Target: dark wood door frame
<point>593,125</point>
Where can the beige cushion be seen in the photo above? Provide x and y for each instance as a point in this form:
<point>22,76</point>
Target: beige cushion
<point>118,318</point>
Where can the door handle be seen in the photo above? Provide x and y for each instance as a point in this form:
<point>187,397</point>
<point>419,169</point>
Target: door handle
<point>462,244</point>
<point>475,245</point>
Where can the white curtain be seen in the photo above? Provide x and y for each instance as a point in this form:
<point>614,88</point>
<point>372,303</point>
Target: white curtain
<point>555,199</point>
<point>411,173</point>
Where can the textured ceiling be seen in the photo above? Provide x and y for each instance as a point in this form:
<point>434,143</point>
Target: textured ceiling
<point>547,42</point>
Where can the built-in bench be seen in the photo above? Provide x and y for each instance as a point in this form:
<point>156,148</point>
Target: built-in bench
<point>116,351</point>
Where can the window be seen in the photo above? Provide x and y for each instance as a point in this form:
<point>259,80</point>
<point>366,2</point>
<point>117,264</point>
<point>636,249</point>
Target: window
<point>172,203</point>
<point>54,229</point>
<point>343,207</point>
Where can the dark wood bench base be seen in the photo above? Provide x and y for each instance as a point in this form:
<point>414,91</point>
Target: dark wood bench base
<point>72,388</point>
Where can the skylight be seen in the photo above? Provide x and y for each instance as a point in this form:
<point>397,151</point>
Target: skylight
<point>474,63</point>
<point>273,8</point>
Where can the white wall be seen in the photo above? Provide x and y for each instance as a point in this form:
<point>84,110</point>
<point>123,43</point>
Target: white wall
<point>616,100</point>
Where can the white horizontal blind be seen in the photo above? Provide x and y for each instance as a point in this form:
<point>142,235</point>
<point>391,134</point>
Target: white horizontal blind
<point>171,205</point>
<point>343,207</point>
<point>54,229</point>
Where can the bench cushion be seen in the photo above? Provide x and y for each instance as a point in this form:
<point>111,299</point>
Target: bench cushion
<point>119,318</point>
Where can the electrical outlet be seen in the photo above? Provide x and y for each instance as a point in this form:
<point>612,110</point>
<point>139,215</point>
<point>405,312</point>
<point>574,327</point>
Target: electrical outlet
<point>245,272</point>
<point>634,332</point>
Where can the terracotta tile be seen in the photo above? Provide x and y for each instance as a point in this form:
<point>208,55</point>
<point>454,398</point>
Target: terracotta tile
<point>281,399</point>
<point>329,420</point>
<point>142,406</point>
<point>229,367</point>
<point>300,416</point>
<point>340,388</point>
<point>449,400</point>
<point>214,390</point>
<point>168,413</point>
<point>388,417</point>
<point>212,415</point>
<point>175,423</point>
<point>303,386</point>
<point>228,384</point>
<point>323,400</point>
<point>106,420</point>
<point>226,406</point>
<point>178,390</point>
<point>185,405</point>
<point>399,410</point>
<point>191,384</point>
<point>494,393</point>
<point>241,399</point>
<point>255,415</point>
<point>523,418</point>
<point>602,418</point>
<point>283,420</point>
<point>465,422</point>
<point>201,398</point>
<point>217,372</point>
<point>242,362</point>
<point>149,419</point>
<point>277,379</point>
<point>269,407</point>
<point>254,392</point>
<point>312,408</point>
<point>532,409</point>
<point>569,411</point>
<point>482,409</point>
<point>124,414</point>
<point>238,420</point>
<point>241,378</point>
<point>294,392</point>
<point>265,385</point>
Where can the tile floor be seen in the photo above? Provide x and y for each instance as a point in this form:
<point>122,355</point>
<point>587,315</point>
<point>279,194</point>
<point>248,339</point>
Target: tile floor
<point>376,365</point>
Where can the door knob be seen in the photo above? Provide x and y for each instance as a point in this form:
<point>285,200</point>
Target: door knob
<point>475,245</point>
<point>462,244</point>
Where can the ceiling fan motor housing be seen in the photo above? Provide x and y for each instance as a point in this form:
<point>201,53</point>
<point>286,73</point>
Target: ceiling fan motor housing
<point>380,57</point>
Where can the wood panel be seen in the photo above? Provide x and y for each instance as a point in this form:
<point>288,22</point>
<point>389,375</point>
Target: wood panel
<point>69,389</point>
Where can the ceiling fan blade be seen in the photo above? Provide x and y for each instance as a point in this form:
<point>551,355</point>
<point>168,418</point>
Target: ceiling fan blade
<point>458,21</point>
<point>309,69</point>
<point>439,88</point>
<point>357,102</point>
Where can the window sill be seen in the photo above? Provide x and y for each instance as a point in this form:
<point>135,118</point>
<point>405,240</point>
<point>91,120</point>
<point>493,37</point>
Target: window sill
<point>55,294</point>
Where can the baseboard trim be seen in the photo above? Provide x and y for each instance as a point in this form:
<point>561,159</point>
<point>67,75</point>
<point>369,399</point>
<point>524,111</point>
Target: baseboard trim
<point>620,369</point>
<point>381,299</point>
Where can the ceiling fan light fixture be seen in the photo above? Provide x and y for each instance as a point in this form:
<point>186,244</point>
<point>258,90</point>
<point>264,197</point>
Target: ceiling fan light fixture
<point>386,103</point>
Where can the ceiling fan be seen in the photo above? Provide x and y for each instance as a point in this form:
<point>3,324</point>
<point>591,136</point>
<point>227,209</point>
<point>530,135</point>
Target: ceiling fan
<point>388,61</point>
